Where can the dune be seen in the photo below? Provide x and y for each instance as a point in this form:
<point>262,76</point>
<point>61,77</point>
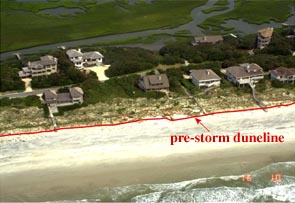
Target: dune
<point>71,164</point>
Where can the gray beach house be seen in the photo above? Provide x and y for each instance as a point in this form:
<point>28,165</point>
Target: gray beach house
<point>204,78</point>
<point>45,66</point>
<point>283,74</point>
<point>246,73</point>
<point>154,82</point>
<point>53,98</point>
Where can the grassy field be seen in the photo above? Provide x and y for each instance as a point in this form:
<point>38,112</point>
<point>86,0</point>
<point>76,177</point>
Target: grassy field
<point>149,39</point>
<point>22,25</point>
<point>257,12</point>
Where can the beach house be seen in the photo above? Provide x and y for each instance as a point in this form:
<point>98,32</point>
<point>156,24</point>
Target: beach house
<point>45,66</point>
<point>76,57</point>
<point>204,78</point>
<point>244,74</point>
<point>153,82</point>
<point>86,59</point>
<point>283,74</point>
<point>54,98</point>
<point>264,37</point>
<point>212,39</point>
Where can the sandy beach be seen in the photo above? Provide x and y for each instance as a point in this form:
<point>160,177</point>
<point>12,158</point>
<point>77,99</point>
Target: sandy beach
<point>73,164</point>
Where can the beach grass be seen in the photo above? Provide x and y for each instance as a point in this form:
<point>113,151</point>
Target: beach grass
<point>256,12</point>
<point>23,26</point>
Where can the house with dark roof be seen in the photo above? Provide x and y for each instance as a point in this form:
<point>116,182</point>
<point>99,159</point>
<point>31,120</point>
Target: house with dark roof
<point>244,74</point>
<point>45,66</point>
<point>283,74</point>
<point>53,98</point>
<point>154,82</point>
<point>263,37</point>
<point>86,59</point>
<point>204,78</point>
<point>212,39</point>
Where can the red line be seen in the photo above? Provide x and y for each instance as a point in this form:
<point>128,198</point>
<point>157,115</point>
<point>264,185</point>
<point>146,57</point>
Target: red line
<point>146,119</point>
<point>205,127</point>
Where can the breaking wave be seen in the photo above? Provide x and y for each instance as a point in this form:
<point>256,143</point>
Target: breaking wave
<point>212,189</point>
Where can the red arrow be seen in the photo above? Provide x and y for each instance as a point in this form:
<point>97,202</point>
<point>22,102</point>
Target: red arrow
<point>199,122</point>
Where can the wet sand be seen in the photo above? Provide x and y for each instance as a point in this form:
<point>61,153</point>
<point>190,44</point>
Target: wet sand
<point>82,182</point>
<point>73,164</point>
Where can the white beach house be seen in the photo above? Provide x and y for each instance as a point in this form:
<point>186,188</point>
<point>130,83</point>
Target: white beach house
<point>86,59</point>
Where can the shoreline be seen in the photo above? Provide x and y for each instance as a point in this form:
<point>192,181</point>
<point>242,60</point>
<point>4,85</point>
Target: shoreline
<point>83,182</point>
<point>75,164</point>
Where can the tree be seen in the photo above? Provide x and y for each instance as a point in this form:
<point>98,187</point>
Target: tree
<point>130,60</point>
<point>247,42</point>
<point>9,77</point>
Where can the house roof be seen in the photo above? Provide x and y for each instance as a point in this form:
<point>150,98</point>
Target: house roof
<point>292,70</point>
<point>283,71</point>
<point>64,97</point>
<point>92,55</point>
<point>204,74</point>
<point>35,64</point>
<point>74,53</point>
<point>44,60</point>
<point>26,70</point>
<point>266,32</point>
<point>209,39</point>
<point>49,95</point>
<point>48,60</point>
<point>155,81</point>
<point>76,92</point>
<point>23,74</point>
<point>245,70</point>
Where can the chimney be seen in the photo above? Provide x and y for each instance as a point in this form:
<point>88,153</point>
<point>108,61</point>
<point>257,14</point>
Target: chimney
<point>208,72</point>
<point>79,50</point>
<point>159,77</point>
<point>248,68</point>
<point>204,38</point>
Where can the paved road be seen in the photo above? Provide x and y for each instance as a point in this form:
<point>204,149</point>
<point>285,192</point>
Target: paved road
<point>24,94</point>
<point>34,92</point>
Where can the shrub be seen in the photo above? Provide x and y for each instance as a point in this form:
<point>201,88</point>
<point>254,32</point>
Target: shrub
<point>9,75</point>
<point>129,60</point>
<point>21,102</point>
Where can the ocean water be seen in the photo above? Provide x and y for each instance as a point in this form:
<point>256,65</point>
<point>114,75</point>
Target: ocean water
<point>212,189</point>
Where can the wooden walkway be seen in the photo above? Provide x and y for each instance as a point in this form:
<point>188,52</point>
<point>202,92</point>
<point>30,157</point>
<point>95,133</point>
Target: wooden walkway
<point>52,117</point>
<point>194,99</point>
<point>258,101</point>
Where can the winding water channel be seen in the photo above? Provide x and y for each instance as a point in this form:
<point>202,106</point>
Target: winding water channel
<point>197,17</point>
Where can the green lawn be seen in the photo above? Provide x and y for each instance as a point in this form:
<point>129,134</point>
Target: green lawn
<point>257,12</point>
<point>23,26</point>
